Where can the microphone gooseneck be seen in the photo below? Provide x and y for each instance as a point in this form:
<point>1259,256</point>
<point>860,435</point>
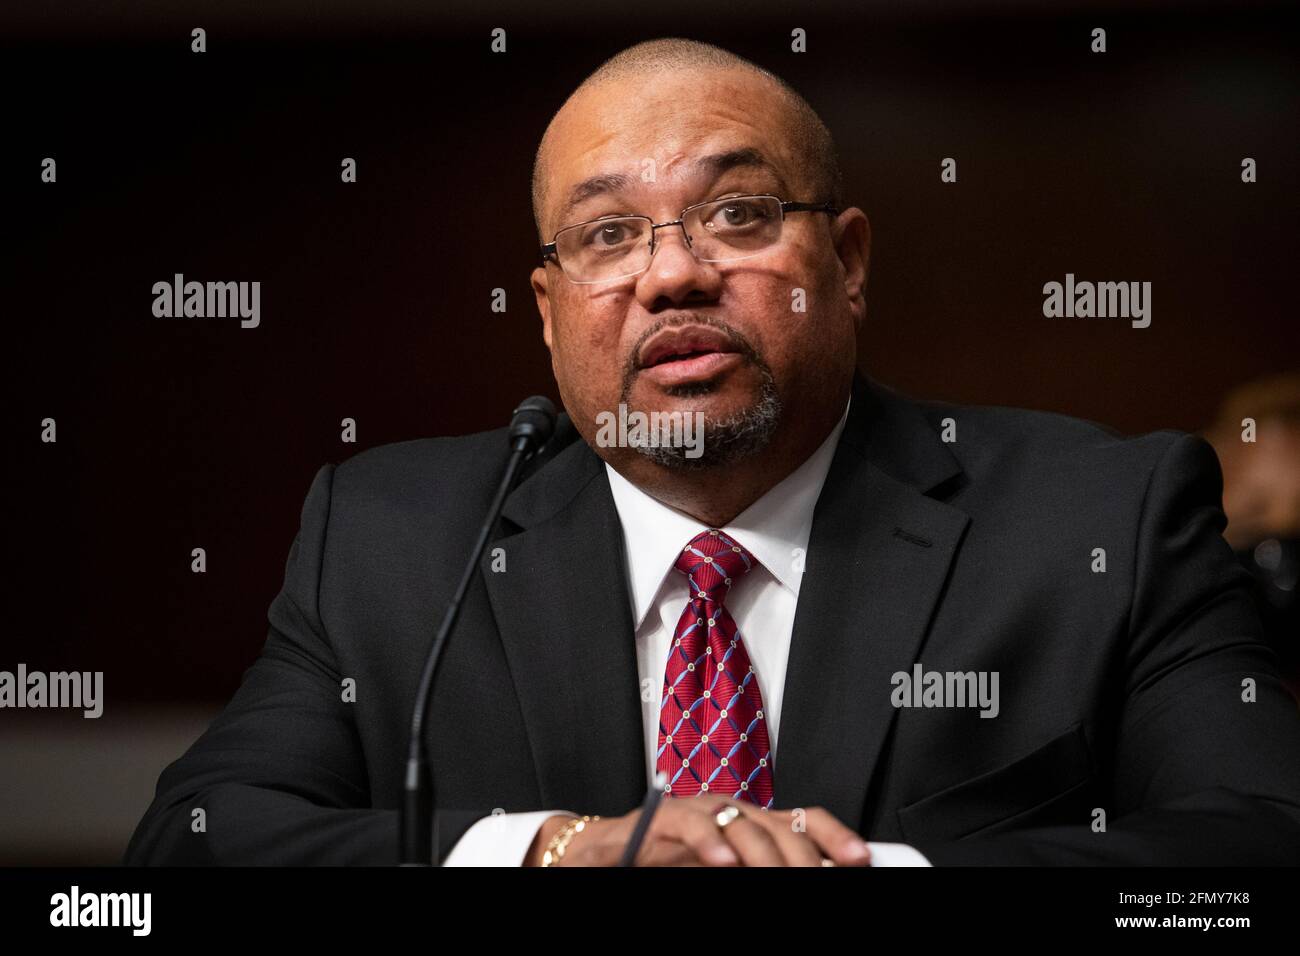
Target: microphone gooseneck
<point>531,426</point>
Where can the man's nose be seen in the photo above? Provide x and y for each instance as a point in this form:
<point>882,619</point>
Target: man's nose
<point>675,274</point>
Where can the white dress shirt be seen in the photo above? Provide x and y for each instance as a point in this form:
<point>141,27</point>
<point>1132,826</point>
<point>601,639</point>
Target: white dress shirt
<point>775,530</point>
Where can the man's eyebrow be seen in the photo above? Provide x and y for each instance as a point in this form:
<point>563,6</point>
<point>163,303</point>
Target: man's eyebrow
<point>715,164</point>
<point>591,187</point>
<point>719,163</point>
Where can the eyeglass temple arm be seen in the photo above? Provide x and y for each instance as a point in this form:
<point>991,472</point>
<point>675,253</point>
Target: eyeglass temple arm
<point>809,207</point>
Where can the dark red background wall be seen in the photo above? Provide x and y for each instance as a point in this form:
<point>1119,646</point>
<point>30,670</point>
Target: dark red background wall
<point>175,434</point>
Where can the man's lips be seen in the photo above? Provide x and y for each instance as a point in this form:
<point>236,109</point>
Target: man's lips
<point>683,343</point>
<point>695,368</point>
<point>688,353</point>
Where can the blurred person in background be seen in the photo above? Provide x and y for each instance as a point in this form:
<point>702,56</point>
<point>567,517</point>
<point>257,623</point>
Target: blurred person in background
<point>1261,497</point>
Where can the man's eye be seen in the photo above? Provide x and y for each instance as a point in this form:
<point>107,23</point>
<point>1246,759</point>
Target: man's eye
<point>736,214</point>
<point>607,234</point>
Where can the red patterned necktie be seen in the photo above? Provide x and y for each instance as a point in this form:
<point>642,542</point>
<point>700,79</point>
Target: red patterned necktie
<point>712,730</point>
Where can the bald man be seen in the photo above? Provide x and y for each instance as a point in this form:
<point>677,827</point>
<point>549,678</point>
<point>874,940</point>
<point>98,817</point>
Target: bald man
<point>835,625</point>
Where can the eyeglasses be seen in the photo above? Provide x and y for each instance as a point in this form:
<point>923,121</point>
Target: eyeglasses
<point>721,230</point>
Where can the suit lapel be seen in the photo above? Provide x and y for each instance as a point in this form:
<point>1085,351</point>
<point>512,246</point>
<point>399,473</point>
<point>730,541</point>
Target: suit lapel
<point>878,557</point>
<point>565,621</point>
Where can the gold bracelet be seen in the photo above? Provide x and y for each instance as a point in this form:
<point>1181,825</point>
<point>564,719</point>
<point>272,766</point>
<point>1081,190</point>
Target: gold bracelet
<point>560,842</point>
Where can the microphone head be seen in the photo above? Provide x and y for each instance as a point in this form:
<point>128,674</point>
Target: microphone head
<point>534,421</point>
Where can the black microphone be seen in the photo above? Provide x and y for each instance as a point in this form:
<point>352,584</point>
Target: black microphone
<point>533,420</point>
<point>530,428</point>
<point>653,795</point>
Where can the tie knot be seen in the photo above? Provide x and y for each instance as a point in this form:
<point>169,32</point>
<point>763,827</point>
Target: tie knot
<point>711,562</point>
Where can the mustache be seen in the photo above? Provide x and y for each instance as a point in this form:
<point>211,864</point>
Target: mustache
<point>735,340</point>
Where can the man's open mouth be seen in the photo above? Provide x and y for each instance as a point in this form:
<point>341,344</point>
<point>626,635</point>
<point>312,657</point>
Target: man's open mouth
<point>683,344</point>
<point>687,353</point>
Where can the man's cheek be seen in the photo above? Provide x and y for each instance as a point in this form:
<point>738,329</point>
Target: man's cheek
<point>602,345</point>
<point>587,355</point>
<point>585,328</point>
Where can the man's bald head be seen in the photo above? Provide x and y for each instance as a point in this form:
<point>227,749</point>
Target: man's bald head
<point>798,120</point>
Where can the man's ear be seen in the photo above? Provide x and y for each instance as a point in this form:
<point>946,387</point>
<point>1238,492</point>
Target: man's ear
<point>852,236</point>
<point>541,283</point>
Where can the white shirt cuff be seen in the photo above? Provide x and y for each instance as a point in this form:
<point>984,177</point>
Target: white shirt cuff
<point>501,839</point>
<point>896,854</point>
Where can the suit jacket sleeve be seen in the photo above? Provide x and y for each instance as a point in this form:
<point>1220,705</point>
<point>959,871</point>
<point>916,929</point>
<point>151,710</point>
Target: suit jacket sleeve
<point>279,775</point>
<point>1198,775</point>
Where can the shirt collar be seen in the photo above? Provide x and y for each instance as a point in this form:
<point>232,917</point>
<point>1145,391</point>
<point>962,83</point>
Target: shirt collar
<point>771,528</point>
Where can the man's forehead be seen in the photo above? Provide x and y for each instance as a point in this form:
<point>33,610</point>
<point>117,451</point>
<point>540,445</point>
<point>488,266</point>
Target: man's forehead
<point>622,176</point>
<point>623,134</point>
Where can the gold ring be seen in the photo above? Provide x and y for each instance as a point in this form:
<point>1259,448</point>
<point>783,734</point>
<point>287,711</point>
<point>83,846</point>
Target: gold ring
<point>725,815</point>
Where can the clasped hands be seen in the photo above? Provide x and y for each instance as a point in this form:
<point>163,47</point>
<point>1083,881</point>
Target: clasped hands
<point>702,831</point>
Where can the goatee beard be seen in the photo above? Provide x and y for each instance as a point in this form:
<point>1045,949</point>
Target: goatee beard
<point>726,441</point>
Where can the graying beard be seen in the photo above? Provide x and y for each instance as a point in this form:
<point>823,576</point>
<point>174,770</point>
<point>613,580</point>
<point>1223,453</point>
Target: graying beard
<point>728,441</point>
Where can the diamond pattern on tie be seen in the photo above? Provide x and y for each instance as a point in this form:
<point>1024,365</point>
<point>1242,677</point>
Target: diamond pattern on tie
<point>712,730</point>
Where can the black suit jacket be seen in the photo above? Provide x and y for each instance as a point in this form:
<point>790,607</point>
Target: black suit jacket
<point>1120,690</point>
